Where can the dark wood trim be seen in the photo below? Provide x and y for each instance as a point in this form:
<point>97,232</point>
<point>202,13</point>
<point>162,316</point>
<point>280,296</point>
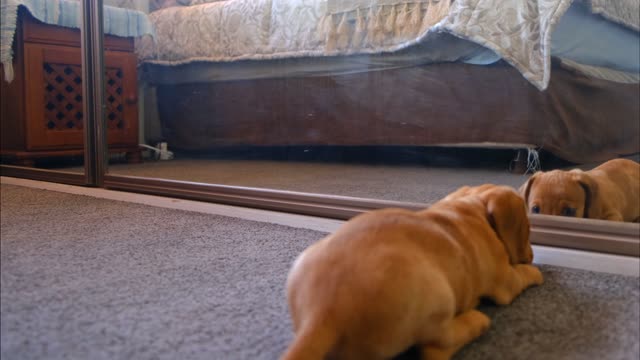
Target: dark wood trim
<point>29,158</point>
<point>75,151</point>
<point>43,175</point>
<point>93,92</point>
<point>578,234</point>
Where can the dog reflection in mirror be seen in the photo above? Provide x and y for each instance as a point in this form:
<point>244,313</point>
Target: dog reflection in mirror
<point>392,279</point>
<point>611,191</point>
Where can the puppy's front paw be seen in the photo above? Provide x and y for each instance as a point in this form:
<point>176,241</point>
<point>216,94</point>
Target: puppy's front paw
<point>531,274</point>
<point>536,276</point>
<point>478,322</point>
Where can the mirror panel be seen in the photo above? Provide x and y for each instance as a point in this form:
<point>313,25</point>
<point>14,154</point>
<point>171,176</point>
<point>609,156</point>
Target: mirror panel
<point>318,101</point>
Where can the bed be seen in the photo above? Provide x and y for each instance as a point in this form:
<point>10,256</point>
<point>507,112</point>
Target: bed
<point>540,74</point>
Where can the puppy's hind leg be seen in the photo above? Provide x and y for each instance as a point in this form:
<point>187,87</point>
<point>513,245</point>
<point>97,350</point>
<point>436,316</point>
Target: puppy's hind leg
<point>455,334</point>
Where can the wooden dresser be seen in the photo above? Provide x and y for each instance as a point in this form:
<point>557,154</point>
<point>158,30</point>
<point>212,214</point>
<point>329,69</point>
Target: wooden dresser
<point>41,111</point>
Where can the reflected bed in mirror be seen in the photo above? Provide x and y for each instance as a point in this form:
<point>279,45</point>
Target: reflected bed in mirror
<point>405,86</point>
<point>337,106</point>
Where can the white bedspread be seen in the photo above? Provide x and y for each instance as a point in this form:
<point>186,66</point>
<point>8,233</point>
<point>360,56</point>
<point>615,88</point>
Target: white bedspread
<point>518,30</point>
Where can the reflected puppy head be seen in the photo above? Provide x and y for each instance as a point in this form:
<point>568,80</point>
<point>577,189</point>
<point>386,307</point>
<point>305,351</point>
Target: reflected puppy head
<point>560,193</point>
<point>506,213</point>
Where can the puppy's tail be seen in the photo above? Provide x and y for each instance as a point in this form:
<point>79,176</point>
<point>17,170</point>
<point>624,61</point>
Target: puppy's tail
<point>311,343</point>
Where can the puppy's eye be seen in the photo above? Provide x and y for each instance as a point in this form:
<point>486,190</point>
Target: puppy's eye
<point>569,212</point>
<point>535,209</point>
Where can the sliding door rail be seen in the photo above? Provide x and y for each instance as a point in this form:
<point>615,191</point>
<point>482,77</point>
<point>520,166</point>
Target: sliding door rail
<point>56,176</point>
<point>579,234</point>
<point>330,206</point>
<point>595,235</point>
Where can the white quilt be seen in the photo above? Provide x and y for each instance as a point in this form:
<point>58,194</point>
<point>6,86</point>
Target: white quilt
<point>518,30</point>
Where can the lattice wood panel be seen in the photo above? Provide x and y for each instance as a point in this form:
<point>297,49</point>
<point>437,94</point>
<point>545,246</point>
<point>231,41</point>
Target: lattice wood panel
<point>63,97</point>
<point>114,98</point>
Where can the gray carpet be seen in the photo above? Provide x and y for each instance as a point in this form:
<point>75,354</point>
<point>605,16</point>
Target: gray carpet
<point>85,278</point>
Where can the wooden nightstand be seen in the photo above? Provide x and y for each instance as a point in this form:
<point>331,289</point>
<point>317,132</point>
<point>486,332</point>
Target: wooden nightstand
<point>41,109</point>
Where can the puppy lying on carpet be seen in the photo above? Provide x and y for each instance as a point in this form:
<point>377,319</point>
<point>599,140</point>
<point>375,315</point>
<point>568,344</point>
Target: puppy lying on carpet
<point>609,192</point>
<point>391,279</point>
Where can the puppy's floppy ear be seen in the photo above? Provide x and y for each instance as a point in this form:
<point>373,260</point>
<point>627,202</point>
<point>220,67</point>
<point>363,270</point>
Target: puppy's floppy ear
<point>468,190</point>
<point>526,187</point>
<point>507,214</point>
<point>590,188</point>
<point>462,191</point>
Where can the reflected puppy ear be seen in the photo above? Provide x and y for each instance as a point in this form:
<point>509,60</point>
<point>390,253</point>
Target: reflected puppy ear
<point>525,189</point>
<point>507,215</point>
<point>590,188</point>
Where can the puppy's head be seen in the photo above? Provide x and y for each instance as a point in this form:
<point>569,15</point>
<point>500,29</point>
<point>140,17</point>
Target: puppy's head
<point>507,214</point>
<point>562,193</point>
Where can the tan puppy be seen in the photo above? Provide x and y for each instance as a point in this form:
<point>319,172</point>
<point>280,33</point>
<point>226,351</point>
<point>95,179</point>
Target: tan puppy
<point>609,192</point>
<point>391,279</point>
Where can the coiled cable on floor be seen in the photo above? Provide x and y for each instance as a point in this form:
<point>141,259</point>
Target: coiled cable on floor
<point>533,161</point>
<point>162,153</point>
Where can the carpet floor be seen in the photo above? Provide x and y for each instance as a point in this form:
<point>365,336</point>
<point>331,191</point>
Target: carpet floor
<point>411,183</point>
<point>422,175</point>
<point>86,278</point>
